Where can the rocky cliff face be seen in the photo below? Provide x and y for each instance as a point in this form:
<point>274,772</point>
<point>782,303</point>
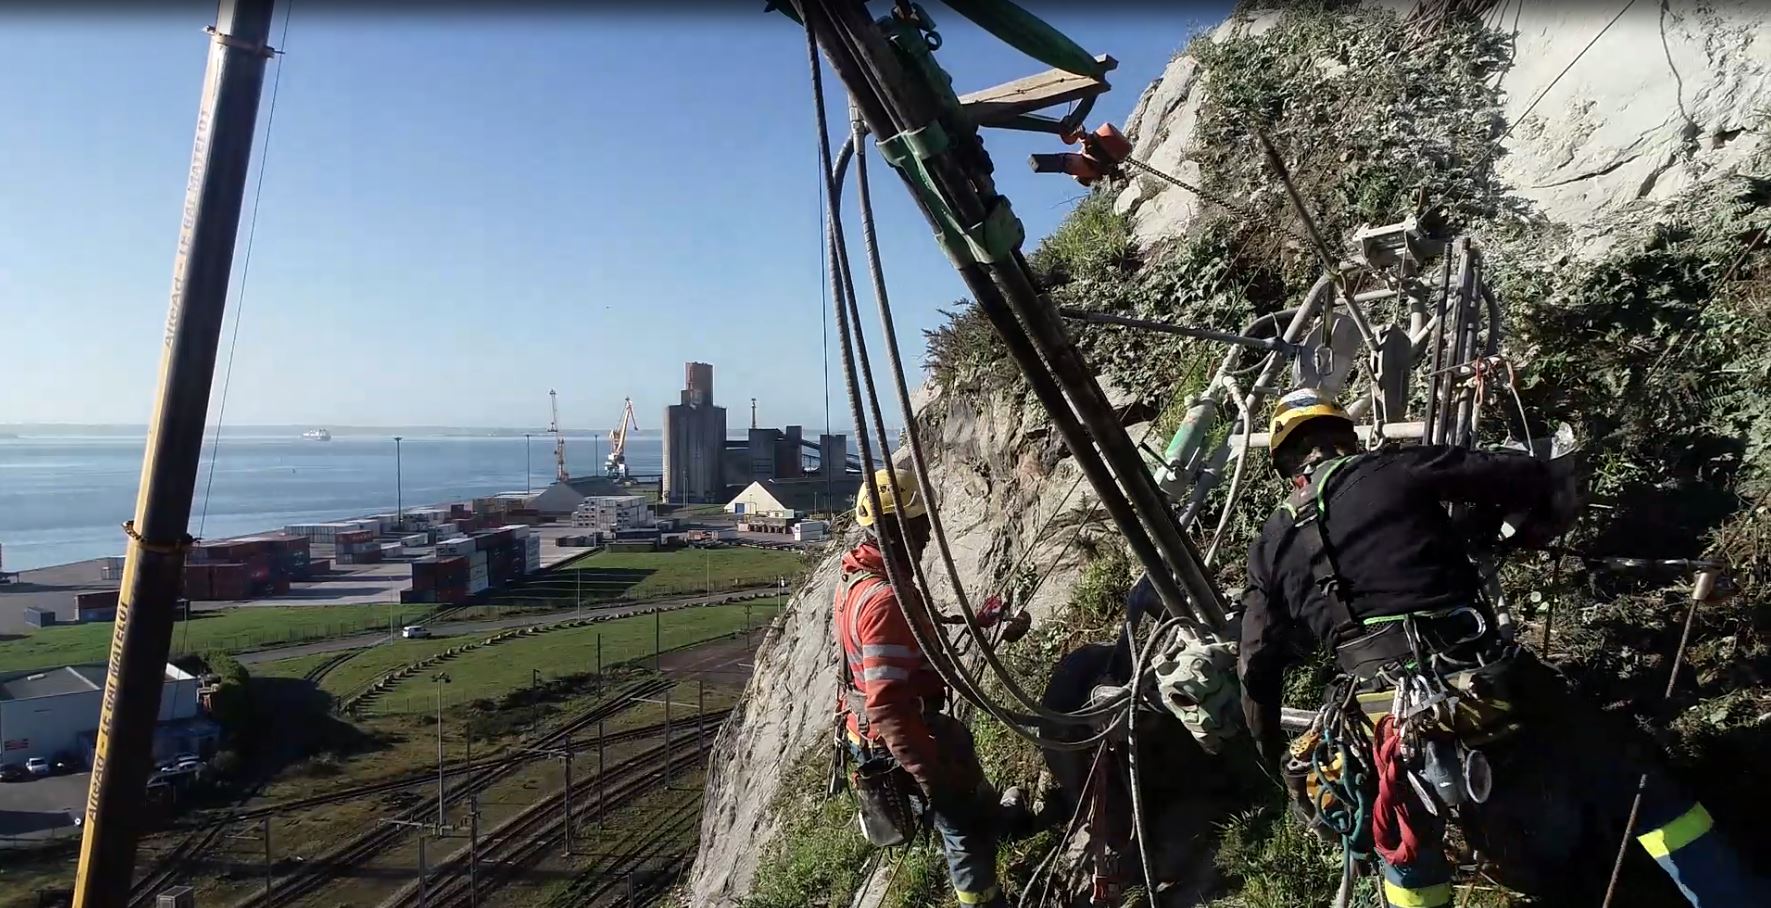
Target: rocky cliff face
<point>1000,481</point>
<point>1669,98</point>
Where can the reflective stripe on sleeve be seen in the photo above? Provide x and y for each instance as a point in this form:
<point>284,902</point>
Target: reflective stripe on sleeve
<point>886,673</point>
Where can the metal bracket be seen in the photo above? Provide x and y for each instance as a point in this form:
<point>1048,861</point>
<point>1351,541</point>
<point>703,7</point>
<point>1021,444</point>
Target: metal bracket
<point>257,48</point>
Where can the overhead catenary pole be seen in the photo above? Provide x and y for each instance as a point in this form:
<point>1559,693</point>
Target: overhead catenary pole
<point>142,633</point>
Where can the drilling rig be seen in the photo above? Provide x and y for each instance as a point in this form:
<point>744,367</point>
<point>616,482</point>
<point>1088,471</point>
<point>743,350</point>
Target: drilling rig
<point>559,441</point>
<point>616,468</point>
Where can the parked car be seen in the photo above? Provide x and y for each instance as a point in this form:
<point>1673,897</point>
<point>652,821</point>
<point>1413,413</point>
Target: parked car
<point>414,631</point>
<point>62,764</point>
<point>37,766</point>
<point>12,772</point>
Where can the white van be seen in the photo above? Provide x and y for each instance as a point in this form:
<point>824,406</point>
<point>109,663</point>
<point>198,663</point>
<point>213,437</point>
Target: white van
<point>414,632</point>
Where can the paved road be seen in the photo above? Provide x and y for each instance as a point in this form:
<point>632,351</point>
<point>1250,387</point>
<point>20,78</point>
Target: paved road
<point>476,628</point>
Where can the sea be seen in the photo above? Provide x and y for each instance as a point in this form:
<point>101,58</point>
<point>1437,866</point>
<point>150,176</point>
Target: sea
<point>63,498</point>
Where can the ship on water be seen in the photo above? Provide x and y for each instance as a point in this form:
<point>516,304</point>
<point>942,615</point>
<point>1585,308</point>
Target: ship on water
<point>317,435</point>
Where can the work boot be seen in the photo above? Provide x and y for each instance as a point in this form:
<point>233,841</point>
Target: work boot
<point>1014,816</point>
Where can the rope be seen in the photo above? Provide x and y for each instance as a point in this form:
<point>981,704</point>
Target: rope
<point>1672,679</point>
<point>1131,750</point>
<point>245,272</point>
<point>1546,89</point>
<point>1063,843</point>
<point>1392,816</point>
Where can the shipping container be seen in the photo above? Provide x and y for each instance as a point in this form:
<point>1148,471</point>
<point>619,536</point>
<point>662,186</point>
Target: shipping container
<point>392,550</point>
<point>317,567</point>
<point>196,581</point>
<point>415,540</point>
<point>39,617</point>
<point>95,600</point>
<point>95,615</point>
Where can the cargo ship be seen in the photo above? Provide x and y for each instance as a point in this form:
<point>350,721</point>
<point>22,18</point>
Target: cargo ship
<point>317,435</point>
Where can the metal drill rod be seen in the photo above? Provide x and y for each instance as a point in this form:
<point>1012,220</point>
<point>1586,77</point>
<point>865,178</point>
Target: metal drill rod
<point>1264,344</point>
<point>141,637</point>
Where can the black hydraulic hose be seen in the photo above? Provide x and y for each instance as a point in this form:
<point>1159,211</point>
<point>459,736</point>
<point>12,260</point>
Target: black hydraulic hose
<point>918,463</point>
<point>1020,348</point>
<point>1467,406</point>
<point>1428,428</point>
<point>954,675</point>
<point>1014,288</point>
<point>1454,357</point>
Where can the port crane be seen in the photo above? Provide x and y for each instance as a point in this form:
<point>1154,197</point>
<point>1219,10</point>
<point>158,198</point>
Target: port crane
<point>616,467</point>
<point>559,441</point>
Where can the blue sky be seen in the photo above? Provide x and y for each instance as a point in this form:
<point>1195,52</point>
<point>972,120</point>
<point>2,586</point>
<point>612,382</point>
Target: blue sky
<point>461,211</point>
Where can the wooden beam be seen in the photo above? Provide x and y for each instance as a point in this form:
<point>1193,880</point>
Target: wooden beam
<point>1036,92</point>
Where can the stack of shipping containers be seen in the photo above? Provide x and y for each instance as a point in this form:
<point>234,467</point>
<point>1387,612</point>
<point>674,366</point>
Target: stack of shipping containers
<point>241,568</point>
<point>467,566</point>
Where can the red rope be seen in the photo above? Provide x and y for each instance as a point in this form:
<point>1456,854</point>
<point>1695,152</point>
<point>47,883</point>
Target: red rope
<point>1393,817</point>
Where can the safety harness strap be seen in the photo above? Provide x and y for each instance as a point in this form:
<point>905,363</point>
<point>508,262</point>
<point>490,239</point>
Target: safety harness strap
<point>1309,505</point>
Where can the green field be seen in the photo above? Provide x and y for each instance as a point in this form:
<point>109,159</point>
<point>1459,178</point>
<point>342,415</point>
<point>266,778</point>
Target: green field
<point>226,630</point>
<point>681,572</point>
<point>492,671</point>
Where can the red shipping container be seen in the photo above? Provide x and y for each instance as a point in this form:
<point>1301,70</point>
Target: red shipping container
<point>258,568</point>
<point>280,586</point>
<point>319,566</point>
<point>196,581</point>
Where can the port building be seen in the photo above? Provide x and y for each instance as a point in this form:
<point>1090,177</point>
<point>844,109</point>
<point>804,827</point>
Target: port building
<point>52,712</point>
<point>694,441</point>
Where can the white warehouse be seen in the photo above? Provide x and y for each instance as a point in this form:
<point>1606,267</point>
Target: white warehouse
<point>46,713</point>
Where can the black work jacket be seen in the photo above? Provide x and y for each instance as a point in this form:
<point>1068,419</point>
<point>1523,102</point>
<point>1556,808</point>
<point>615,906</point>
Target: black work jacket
<point>1396,546</point>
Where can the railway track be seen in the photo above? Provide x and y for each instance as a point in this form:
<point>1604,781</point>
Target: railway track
<point>314,874</point>
<point>429,777</point>
<point>319,672</point>
<point>524,839</point>
<point>610,881</point>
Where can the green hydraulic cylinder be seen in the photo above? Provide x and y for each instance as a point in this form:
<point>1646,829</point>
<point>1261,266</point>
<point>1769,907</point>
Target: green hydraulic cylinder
<point>1179,459</point>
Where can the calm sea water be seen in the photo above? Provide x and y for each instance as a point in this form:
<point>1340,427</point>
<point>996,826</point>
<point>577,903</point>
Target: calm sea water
<point>64,498</point>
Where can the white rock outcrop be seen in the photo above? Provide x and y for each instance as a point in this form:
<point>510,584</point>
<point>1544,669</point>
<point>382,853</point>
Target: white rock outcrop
<point>1668,97</point>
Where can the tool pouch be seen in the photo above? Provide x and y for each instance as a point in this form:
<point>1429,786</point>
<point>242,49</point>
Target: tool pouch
<point>881,793</point>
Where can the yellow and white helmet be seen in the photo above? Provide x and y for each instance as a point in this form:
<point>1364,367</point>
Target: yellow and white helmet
<point>1299,407</point>
<point>912,505</point>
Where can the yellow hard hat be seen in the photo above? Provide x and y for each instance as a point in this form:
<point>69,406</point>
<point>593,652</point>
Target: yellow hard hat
<point>1299,407</point>
<point>913,504</point>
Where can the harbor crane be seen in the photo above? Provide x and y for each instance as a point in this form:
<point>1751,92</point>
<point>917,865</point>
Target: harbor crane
<point>559,441</point>
<point>616,467</point>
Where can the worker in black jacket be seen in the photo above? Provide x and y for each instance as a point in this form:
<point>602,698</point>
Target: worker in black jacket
<point>1365,557</point>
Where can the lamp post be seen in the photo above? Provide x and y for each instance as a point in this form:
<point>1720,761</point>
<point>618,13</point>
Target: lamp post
<point>440,679</point>
<point>399,487</point>
<point>526,472</point>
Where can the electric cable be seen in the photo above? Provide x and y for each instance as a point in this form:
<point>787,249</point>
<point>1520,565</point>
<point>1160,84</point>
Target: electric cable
<point>227,380</point>
<point>1233,494</point>
<point>1552,84</point>
<point>264,161</point>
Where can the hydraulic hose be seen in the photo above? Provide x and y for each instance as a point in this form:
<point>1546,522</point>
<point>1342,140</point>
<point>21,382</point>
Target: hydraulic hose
<point>875,61</point>
<point>954,674</point>
<point>919,464</point>
<point>863,89</point>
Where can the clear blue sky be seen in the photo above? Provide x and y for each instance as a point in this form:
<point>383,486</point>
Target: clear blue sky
<point>461,211</point>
